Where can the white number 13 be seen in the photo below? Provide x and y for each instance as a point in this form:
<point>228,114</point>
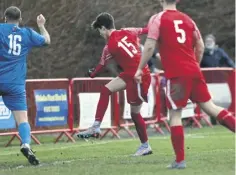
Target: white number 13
<point>181,39</point>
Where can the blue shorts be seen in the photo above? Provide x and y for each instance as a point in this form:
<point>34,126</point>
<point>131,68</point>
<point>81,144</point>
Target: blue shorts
<point>14,96</point>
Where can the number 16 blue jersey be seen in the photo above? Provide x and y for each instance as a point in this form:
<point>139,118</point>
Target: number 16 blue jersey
<point>15,44</point>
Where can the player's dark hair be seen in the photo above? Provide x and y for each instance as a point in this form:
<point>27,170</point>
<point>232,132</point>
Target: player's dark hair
<point>12,13</point>
<point>104,19</point>
<point>170,1</point>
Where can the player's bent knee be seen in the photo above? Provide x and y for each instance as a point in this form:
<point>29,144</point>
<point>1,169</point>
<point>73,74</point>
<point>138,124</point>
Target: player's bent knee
<point>135,109</point>
<point>210,108</point>
<point>20,116</point>
<point>133,114</point>
<point>175,117</point>
<point>105,91</point>
<point>116,84</point>
<point>208,104</point>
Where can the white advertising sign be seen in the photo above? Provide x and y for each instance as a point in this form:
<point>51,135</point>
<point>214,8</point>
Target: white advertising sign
<point>220,94</point>
<point>147,108</point>
<point>88,107</point>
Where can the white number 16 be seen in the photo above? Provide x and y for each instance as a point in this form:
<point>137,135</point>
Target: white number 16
<point>14,44</point>
<point>181,39</point>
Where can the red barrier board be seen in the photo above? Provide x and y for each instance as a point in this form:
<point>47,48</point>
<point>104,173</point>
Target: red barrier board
<point>220,81</point>
<point>32,85</point>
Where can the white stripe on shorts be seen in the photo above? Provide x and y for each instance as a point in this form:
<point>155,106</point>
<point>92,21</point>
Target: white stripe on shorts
<point>173,105</point>
<point>139,92</point>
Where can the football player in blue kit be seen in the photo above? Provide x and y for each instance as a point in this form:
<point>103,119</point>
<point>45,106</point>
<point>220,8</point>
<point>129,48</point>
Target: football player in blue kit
<point>15,44</point>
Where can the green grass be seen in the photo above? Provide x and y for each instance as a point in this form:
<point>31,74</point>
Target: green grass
<point>208,152</point>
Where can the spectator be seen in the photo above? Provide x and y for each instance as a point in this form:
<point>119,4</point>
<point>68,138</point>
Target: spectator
<point>215,56</point>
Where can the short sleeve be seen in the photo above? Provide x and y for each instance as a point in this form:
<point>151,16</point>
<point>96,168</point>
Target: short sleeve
<point>154,26</point>
<point>35,39</point>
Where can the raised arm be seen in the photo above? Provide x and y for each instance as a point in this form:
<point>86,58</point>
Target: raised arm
<point>41,25</point>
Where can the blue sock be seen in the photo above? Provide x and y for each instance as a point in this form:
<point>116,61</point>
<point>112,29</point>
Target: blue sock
<point>24,131</point>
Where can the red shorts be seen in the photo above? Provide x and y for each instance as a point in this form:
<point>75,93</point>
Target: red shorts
<point>136,93</point>
<point>180,89</point>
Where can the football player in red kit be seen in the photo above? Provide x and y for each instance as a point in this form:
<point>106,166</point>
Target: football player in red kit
<point>181,49</point>
<point>123,47</point>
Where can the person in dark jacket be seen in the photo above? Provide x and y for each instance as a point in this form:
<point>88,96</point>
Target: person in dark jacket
<point>215,56</point>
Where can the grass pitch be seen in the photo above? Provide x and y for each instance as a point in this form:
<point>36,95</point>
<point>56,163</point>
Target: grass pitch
<point>208,152</point>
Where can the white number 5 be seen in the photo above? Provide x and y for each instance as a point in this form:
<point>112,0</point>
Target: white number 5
<point>181,39</point>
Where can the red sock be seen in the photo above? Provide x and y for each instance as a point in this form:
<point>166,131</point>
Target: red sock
<point>226,119</point>
<point>102,104</point>
<point>140,127</point>
<point>177,138</point>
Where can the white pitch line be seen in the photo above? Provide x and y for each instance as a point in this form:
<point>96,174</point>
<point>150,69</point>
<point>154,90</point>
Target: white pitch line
<point>198,154</point>
<point>59,148</point>
<point>192,136</point>
<point>63,162</point>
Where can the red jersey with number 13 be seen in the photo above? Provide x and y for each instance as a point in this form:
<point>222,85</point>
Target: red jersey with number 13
<point>124,47</point>
<point>174,32</point>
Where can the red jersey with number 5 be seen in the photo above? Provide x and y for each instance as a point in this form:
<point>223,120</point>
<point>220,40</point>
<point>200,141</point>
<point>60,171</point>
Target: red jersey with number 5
<point>174,32</point>
<point>124,47</point>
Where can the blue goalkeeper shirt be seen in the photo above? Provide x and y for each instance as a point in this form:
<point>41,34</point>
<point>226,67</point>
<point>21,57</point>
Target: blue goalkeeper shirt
<point>15,44</point>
